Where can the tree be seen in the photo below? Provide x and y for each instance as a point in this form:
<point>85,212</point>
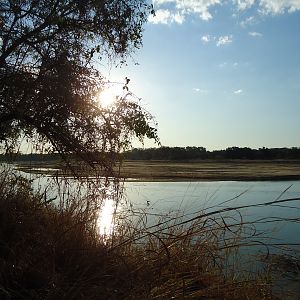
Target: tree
<point>49,87</point>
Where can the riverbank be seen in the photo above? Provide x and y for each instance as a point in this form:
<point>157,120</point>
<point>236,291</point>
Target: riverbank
<point>206,170</point>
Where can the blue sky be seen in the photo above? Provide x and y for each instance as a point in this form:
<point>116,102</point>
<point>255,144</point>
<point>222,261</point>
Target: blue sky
<point>220,73</point>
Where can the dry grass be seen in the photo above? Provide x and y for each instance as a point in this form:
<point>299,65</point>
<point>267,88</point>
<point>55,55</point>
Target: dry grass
<point>55,252</point>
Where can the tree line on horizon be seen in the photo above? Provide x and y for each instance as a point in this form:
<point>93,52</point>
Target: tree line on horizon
<point>178,153</point>
<point>200,153</point>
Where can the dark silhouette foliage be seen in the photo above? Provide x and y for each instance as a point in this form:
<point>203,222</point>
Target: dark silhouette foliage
<point>49,87</point>
<point>181,153</point>
<point>199,153</point>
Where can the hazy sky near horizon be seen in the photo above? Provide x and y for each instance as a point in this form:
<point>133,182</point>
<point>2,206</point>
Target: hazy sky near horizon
<point>220,73</point>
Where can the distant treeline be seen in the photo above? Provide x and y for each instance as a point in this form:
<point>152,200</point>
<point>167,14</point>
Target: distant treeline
<point>199,153</point>
<point>29,157</point>
<point>179,153</point>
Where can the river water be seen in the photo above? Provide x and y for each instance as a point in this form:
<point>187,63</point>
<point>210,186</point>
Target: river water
<point>280,220</point>
<point>269,211</point>
<point>272,208</point>
<point>192,198</point>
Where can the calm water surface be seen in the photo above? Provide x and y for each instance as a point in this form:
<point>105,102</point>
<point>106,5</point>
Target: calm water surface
<point>277,226</point>
<point>192,198</point>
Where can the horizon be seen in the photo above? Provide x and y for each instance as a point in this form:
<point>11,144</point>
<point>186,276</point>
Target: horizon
<point>166,146</point>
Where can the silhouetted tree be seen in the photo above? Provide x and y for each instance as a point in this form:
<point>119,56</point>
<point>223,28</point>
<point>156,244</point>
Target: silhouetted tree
<point>200,153</point>
<point>48,84</point>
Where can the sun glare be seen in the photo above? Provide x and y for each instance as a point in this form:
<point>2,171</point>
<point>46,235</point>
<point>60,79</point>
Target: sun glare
<point>105,218</point>
<point>107,97</point>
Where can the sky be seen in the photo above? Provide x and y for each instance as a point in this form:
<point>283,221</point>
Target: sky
<point>220,73</point>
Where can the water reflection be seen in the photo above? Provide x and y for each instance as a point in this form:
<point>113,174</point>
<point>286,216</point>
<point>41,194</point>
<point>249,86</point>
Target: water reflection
<point>100,194</point>
<point>105,221</point>
<point>110,206</point>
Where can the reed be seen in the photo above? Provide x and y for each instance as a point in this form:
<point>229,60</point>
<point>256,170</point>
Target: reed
<point>53,250</point>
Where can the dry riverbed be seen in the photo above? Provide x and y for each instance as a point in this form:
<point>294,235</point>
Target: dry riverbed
<point>244,170</point>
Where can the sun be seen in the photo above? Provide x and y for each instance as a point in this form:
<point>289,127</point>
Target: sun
<point>107,97</point>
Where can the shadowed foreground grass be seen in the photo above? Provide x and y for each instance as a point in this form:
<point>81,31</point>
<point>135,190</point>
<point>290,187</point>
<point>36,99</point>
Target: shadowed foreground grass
<point>47,252</point>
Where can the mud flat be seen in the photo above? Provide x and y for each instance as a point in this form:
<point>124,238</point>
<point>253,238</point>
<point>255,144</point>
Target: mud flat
<point>206,170</point>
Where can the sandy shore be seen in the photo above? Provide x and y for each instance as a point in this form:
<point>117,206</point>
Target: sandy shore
<point>212,170</point>
<point>242,170</point>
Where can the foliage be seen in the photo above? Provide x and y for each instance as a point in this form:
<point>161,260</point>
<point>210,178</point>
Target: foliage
<point>49,86</point>
<point>192,153</point>
<point>182,153</point>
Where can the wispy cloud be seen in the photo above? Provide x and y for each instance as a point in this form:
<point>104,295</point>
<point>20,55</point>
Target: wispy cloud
<point>226,64</point>
<point>220,40</point>
<point>176,11</point>
<point>269,6</point>
<point>279,6</point>
<point>244,4</point>
<point>200,91</point>
<point>238,92</point>
<point>224,40</point>
<point>255,34</point>
<point>207,38</point>
<point>164,16</point>
<point>187,7</point>
<point>198,7</point>
<point>248,21</point>
<point>223,64</point>
<point>178,18</point>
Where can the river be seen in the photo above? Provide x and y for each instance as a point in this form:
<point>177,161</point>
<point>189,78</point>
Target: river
<point>192,198</point>
<point>280,220</point>
<point>269,211</point>
<point>271,231</point>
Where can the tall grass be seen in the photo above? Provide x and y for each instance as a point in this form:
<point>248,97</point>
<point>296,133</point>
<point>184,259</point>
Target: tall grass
<point>54,251</point>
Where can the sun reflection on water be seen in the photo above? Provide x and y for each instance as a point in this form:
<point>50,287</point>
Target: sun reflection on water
<point>105,222</point>
<point>109,207</point>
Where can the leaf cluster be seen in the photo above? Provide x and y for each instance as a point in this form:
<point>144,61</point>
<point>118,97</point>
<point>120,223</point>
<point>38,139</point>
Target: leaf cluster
<point>48,82</point>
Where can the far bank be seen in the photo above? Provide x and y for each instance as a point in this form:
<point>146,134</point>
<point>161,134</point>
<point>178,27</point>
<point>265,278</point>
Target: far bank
<point>163,170</point>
